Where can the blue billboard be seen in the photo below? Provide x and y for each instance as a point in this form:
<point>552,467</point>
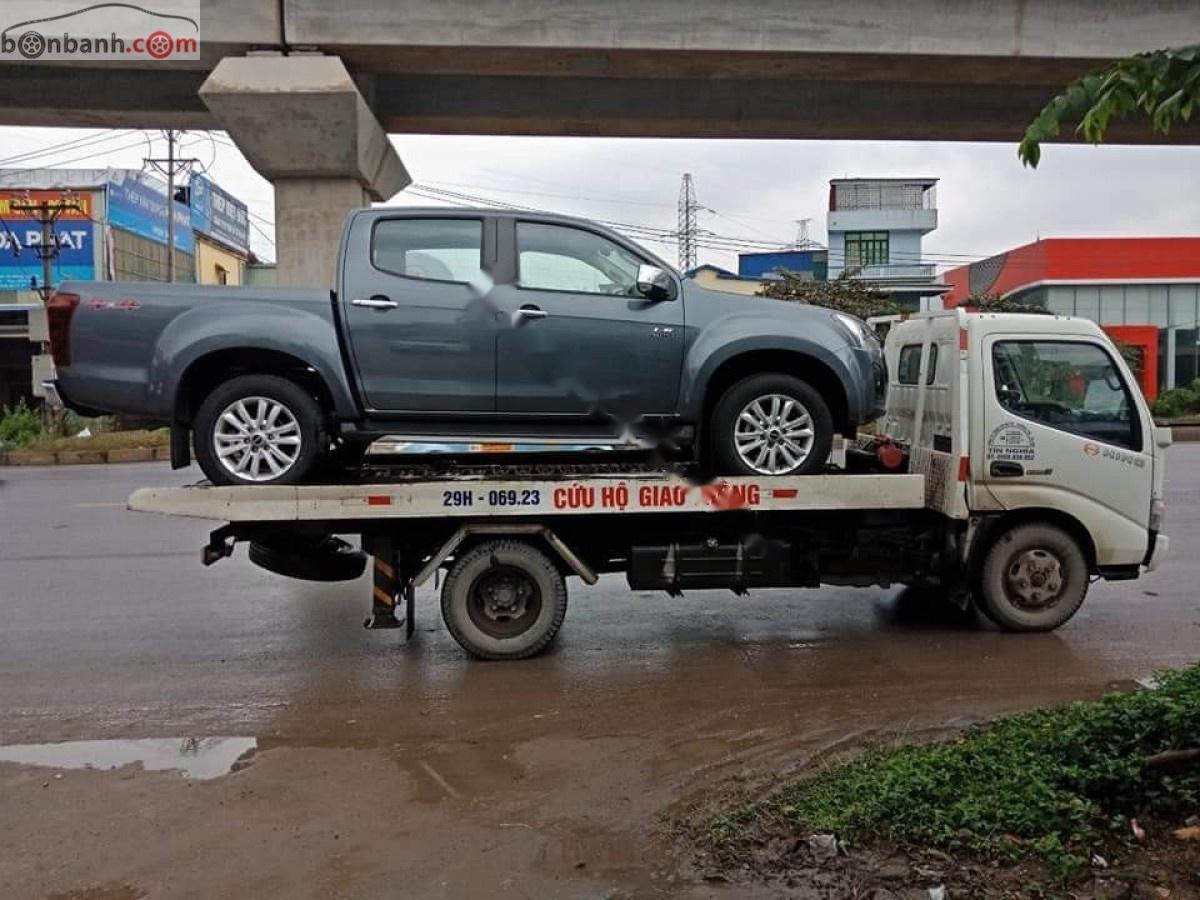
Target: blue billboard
<point>139,205</point>
<point>19,260</point>
<point>219,215</point>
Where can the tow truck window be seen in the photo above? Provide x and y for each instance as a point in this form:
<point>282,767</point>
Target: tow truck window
<point>430,249</point>
<point>560,258</point>
<point>1068,385</point>
<point>909,369</point>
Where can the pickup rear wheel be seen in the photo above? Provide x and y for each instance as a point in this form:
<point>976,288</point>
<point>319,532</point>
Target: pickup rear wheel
<point>771,424</point>
<point>1034,578</point>
<point>259,429</point>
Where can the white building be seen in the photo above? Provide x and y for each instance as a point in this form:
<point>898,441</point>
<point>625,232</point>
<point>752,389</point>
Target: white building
<point>875,227</point>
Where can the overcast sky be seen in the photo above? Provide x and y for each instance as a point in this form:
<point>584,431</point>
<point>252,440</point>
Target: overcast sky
<point>750,189</point>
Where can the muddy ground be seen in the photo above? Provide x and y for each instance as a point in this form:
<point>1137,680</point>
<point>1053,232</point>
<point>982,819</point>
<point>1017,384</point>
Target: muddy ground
<point>391,770</point>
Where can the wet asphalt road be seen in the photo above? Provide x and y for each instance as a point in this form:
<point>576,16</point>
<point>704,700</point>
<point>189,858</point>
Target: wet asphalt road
<point>567,763</point>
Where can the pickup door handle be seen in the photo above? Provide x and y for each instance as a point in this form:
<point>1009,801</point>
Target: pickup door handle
<point>527,312</point>
<point>1005,469</point>
<point>376,301</point>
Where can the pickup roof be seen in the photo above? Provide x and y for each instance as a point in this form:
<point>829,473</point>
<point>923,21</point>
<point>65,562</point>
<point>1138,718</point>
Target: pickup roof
<point>447,323</point>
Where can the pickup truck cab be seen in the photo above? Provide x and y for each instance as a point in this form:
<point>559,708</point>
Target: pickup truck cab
<point>453,323</point>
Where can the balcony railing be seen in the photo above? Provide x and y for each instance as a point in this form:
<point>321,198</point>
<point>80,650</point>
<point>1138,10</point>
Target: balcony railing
<point>892,272</point>
<point>883,196</point>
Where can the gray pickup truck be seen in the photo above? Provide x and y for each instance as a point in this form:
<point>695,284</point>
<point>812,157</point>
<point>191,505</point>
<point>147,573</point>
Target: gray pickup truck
<point>449,323</point>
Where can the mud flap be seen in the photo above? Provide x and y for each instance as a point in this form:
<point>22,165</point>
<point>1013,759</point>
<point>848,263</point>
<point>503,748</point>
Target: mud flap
<point>181,449</point>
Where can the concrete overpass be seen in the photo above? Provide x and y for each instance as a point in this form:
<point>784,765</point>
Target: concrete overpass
<point>307,88</point>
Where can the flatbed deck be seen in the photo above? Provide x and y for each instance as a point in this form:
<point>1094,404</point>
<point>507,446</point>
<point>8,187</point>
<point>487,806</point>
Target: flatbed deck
<point>461,497</point>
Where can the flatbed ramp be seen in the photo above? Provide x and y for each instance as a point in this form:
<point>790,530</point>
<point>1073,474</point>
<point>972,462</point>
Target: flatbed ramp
<point>506,498</point>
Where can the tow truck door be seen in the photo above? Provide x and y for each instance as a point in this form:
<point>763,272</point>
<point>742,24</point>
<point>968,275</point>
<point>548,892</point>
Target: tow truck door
<point>1062,428</point>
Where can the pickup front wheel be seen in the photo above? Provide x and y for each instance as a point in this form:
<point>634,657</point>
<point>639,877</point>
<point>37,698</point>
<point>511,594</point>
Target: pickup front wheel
<point>771,424</point>
<point>259,429</point>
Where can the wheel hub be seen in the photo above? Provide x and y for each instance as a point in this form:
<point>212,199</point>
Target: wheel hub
<point>504,601</point>
<point>773,434</point>
<point>1034,579</point>
<point>257,439</point>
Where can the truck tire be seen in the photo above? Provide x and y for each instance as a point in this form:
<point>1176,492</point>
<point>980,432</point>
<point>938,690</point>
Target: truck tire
<point>259,429</point>
<point>504,599</point>
<point>326,559</point>
<point>1034,578</point>
<point>771,424</point>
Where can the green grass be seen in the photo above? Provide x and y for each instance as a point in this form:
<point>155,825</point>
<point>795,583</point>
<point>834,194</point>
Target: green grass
<point>105,440</point>
<point>1056,785</point>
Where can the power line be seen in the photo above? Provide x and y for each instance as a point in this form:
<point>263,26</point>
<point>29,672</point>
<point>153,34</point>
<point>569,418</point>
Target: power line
<point>24,171</point>
<point>53,149</point>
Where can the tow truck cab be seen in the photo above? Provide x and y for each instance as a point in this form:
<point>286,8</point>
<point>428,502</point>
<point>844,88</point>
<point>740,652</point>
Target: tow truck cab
<point>1014,417</point>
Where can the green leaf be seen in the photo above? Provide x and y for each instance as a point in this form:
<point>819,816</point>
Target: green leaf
<point>1162,85</point>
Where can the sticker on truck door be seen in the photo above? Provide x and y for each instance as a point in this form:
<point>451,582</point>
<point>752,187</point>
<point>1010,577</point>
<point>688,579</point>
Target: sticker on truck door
<point>1011,442</point>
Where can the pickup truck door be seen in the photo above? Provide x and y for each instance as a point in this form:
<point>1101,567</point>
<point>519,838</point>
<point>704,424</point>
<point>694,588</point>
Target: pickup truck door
<point>579,339</point>
<point>1062,429</point>
<point>420,334</point>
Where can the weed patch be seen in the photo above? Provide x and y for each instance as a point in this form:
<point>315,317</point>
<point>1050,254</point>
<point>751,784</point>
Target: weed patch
<point>1055,785</point>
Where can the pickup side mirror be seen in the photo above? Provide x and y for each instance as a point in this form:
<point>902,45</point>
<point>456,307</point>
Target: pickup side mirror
<point>655,284</point>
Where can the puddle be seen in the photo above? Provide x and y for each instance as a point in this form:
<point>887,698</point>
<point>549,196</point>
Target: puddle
<point>195,757</point>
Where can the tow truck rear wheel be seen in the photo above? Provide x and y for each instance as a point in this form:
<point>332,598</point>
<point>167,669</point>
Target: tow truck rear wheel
<point>1034,578</point>
<point>504,599</point>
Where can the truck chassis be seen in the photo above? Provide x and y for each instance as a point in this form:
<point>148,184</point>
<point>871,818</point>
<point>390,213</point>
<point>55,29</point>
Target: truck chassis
<point>664,531</point>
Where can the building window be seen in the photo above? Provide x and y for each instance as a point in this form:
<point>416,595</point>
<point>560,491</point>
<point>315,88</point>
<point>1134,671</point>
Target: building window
<point>222,275</point>
<point>866,248</point>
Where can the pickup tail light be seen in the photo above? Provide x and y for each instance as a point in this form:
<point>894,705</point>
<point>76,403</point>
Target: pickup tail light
<point>59,312</point>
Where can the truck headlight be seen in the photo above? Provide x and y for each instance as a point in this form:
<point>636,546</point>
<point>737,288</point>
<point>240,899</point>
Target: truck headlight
<point>862,333</point>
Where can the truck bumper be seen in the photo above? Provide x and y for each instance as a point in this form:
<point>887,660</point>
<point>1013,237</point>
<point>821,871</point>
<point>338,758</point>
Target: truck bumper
<point>1162,546</point>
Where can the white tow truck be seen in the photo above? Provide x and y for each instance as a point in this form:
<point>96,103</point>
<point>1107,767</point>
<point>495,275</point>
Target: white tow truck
<point>1017,460</point>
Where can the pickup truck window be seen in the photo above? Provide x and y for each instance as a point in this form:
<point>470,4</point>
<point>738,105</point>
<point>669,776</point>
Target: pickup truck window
<point>1069,385</point>
<point>431,249</point>
<point>561,258</point>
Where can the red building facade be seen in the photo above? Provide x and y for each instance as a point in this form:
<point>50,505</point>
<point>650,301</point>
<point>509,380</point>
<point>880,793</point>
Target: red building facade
<point>1143,291</point>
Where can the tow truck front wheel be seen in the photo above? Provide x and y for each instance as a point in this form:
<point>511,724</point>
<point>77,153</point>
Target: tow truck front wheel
<point>1034,578</point>
<point>504,599</point>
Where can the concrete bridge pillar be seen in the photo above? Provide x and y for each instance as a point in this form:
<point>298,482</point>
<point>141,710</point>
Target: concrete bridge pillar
<point>302,122</point>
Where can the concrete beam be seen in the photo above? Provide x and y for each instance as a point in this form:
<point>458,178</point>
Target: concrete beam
<point>303,117</point>
<point>967,29</point>
<point>302,122</point>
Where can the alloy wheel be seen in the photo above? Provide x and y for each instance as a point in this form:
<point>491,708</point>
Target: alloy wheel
<point>257,439</point>
<point>773,434</point>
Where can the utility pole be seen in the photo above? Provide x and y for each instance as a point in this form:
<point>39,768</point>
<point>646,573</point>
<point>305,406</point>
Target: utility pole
<point>687,224</point>
<point>47,213</point>
<point>170,167</point>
